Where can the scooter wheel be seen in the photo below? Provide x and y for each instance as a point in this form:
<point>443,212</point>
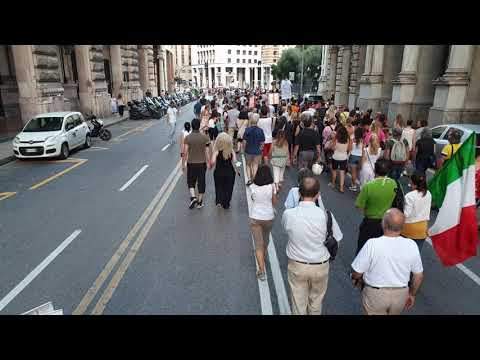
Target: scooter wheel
<point>105,135</point>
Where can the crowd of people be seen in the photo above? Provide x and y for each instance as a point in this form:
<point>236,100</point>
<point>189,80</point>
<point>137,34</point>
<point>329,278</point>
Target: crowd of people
<point>274,133</point>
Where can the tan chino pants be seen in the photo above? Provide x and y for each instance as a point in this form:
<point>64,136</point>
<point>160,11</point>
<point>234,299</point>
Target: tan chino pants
<point>384,301</point>
<point>308,285</point>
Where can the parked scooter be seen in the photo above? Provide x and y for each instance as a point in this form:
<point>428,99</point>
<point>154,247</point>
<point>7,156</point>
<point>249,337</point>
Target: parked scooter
<point>97,129</point>
<point>138,111</point>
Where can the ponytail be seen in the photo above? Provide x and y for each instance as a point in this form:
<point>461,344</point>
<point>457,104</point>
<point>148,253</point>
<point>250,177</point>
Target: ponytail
<point>420,181</point>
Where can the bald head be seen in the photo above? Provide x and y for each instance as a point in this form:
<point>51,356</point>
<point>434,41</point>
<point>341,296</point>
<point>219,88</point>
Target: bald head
<point>393,221</point>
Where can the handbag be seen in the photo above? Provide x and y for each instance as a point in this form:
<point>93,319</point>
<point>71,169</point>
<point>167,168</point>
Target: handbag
<point>330,242</point>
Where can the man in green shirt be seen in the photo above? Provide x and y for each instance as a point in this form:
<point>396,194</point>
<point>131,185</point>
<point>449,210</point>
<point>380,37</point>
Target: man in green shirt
<point>375,198</point>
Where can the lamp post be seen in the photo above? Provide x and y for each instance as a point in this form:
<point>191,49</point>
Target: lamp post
<point>260,74</point>
<point>301,76</point>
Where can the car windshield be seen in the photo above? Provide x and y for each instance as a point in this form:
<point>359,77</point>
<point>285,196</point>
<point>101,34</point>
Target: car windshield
<point>44,124</point>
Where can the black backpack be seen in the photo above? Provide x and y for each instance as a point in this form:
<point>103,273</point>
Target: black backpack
<point>330,242</point>
<point>399,199</point>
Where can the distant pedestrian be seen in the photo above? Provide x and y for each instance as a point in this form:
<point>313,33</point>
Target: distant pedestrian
<point>263,195</point>
<point>172,121</point>
<point>120,104</point>
<point>279,158</point>
<point>232,116</point>
<point>253,144</point>
<point>187,129</point>
<point>195,162</point>
<point>383,268</point>
<point>375,198</point>
<point>355,158</point>
<point>418,203</point>
<point>204,118</point>
<point>421,125</point>
<point>224,160</point>
<point>370,154</point>
<point>398,152</point>
<point>307,143</point>
<point>308,257</point>
<point>342,145</point>
<point>242,123</point>
<point>212,125</point>
<point>451,148</point>
<point>425,151</point>
<point>266,124</point>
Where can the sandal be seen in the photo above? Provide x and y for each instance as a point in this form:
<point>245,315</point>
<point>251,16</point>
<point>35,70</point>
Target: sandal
<point>261,275</point>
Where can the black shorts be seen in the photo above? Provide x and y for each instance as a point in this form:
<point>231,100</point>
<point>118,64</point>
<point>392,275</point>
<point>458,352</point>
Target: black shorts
<point>339,165</point>
<point>196,174</point>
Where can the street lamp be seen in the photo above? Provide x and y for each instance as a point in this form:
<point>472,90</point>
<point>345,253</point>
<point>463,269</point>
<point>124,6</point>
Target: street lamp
<point>259,74</point>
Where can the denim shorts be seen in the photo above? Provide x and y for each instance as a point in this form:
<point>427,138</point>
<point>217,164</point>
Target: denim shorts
<point>354,159</point>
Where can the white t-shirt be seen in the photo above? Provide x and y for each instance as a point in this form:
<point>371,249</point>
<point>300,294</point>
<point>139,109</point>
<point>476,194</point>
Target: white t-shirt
<point>266,125</point>
<point>262,206</point>
<point>388,261</point>
<point>172,115</point>
<point>417,207</point>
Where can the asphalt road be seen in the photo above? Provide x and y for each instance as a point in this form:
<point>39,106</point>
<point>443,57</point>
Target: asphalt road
<point>142,251</point>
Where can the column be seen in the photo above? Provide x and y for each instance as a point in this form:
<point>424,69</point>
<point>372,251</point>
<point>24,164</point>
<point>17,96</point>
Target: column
<point>116,65</point>
<point>224,76</point>
<point>143,68</point>
<point>322,81</point>
<point>248,79</point>
<point>341,97</point>
<point>25,74</point>
<point>204,77</point>
<point>372,79</point>
<point>259,71</point>
<point>85,84</point>
<point>451,89</point>
<point>161,70</point>
<point>368,60</point>
<point>262,76</point>
<point>332,76</point>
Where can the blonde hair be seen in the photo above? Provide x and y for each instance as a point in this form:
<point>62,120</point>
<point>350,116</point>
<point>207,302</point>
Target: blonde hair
<point>373,144</point>
<point>399,122</point>
<point>253,119</point>
<point>224,144</point>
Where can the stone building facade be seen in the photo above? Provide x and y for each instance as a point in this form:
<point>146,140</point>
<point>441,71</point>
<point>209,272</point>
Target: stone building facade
<point>45,78</point>
<point>440,83</point>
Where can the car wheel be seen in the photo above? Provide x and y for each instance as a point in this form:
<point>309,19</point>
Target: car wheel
<point>88,141</point>
<point>64,152</point>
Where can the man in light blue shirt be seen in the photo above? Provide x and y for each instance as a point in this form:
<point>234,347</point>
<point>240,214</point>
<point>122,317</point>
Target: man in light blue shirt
<point>293,197</point>
<point>308,257</point>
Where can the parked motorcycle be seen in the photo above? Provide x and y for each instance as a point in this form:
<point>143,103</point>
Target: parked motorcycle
<point>98,129</point>
<point>138,111</point>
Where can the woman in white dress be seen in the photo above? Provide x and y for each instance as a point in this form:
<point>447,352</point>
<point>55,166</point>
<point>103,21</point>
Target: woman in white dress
<point>370,154</point>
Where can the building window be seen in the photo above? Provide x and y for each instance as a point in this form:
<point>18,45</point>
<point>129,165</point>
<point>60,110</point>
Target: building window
<point>275,52</point>
<point>250,52</point>
<point>238,52</point>
<point>218,69</point>
<point>229,60</point>
<point>254,53</point>
<point>255,61</point>
<point>244,52</point>
<point>249,61</point>
<point>274,60</point>
<point>238,61</point>
<point>243,61</point>
<point>229,52</point>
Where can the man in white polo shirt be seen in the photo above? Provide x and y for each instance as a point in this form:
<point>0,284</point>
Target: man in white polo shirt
<point>383,267</point>
<point>308,257</point>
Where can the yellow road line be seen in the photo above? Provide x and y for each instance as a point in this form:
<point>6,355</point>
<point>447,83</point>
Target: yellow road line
<point>53,177</point>
<point>6,195</point>
<point>128,132</point>
<point>122,269</point>
<point>99,281</point>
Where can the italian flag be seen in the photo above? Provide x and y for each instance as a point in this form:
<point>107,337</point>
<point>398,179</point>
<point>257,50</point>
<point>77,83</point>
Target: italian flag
<point>454,234</point>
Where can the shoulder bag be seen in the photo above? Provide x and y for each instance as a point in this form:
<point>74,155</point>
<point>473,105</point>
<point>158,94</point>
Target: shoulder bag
<point>330,242</point>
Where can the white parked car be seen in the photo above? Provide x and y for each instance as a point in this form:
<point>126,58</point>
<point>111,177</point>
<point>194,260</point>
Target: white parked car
<point>440,134</point>
<point>52,134</point>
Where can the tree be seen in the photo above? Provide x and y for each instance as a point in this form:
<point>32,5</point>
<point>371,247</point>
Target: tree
<point>291,61</point>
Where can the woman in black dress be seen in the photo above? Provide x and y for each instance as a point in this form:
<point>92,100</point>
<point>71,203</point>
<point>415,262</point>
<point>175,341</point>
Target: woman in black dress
<point>224,159</point>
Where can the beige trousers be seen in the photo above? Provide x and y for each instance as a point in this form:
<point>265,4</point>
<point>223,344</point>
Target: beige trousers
<point>308,285</point>
<point>385,301</point>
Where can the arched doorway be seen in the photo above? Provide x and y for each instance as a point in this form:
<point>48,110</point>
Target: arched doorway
<point>69,75</point>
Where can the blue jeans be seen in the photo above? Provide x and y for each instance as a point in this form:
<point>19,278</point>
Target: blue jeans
<point>171,134</point>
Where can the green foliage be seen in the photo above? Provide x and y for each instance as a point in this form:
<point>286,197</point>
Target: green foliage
<point>291,61</point>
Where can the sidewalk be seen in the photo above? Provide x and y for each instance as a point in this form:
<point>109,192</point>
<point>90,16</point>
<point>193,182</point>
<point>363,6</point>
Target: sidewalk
<point>6,152</point>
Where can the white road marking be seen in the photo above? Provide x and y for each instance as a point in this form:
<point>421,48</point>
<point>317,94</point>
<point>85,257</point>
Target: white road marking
<point>264,290</point>
<point>35,272</point>
<point>165,147</point>
<point>98,148</point>
<point>134,177</point>
<point>464,269</point>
